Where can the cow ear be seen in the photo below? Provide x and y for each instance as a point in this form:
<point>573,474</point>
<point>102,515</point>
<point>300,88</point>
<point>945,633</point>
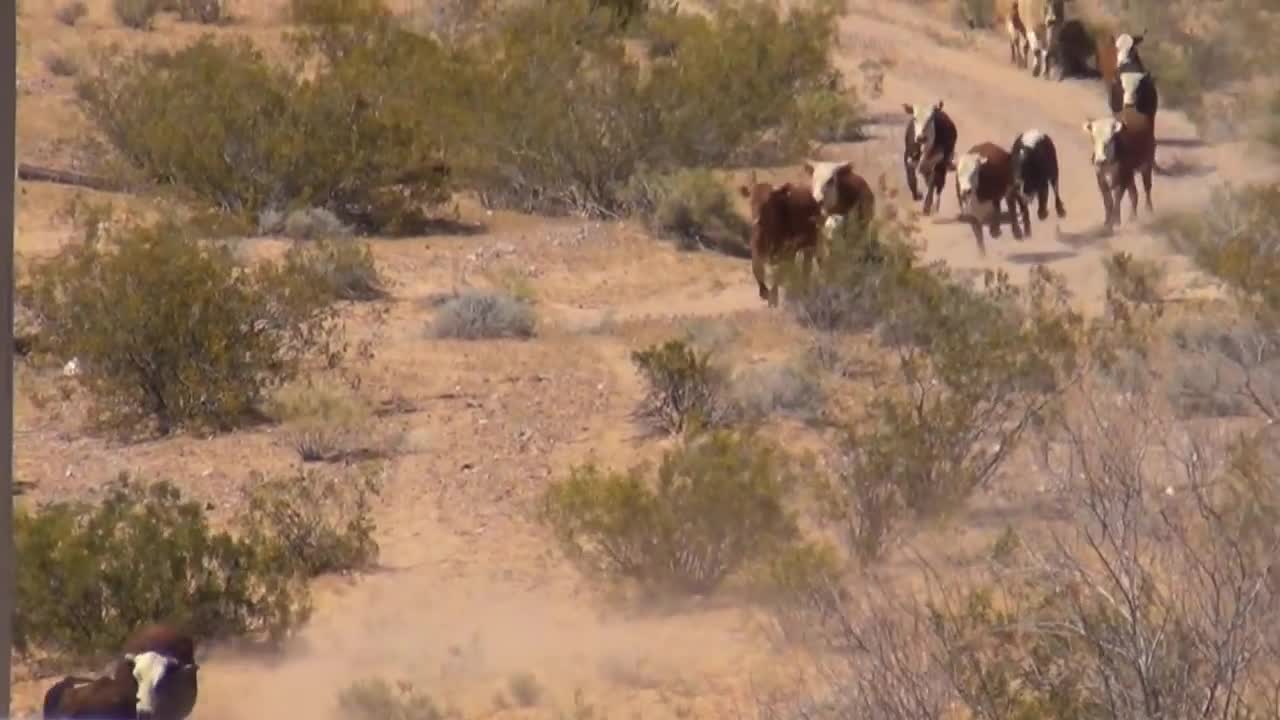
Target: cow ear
<point>1088,127</point>
<point>907,107</point>
<point>808,169</point>
<point>938,106</point>
<point>129,658</point>
<point>744,191</point>
<point>1137,39</point>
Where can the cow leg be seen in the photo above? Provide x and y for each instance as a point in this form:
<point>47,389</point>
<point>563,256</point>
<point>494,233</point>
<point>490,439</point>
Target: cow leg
<point>1042,203</point>
<point>912,185</point>
<point>1146,186</point>
<point>928,196</point>
<point>1026,213</point>
<point>976,227</point>
<point>1057,201</point>
<point>939,182</point>
<point>757,269</point>
<point>1132,188</point>
<point>1107,204</point>
<point>993,224</point>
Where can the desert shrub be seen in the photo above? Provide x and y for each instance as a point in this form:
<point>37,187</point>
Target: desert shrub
<point>174,330</point>
<point>975,368</point>
<point>314,223</point>
<point>762,391</point>
<point>480,314</point>
<point>334,12</point>
<point>144,553</point>
<point>318,524</point>
<point>207,12</point>
<point>136,14</point>
<point>696,108</point>
<point>525,689</point>
<point>1225,367</point>
<point>72,12</point>
<point>974,13</point>
<point>377,699</point>
<point>685,389</point>
<point>831,116</point>
<point>693,208</point>
<point>61,64</point>
<point>219,121</point>
<point>717,507</point>
<point>347,271</point>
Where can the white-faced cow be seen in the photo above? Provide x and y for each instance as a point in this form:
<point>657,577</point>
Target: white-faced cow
<point>1121,147</point>
<point>840,191</point>
<point>930,148</point>
<point>1130,84</point>
<point>784,220</point>
<point>1035,171</point>
<point>181,683</point>
<point>984,179</point>
<point>137,689</point>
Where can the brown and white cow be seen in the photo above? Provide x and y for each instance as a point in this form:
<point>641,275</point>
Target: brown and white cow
<point>1017,35</point>
<point>1035,172</point>
<point>1121,147</point>
<point>784,220</point>
<point>930,146</point>
<point>138,688</point>
<point>839,191</point>
<point>984,179</point>
<point>181,682</point>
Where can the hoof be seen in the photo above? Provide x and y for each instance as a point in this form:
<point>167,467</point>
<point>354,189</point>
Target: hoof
<point>1043,213</point>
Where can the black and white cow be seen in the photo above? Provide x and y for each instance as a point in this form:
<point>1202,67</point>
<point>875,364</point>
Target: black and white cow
<point>930,147</point>
<point>1035,172</point>
<point>1131,84</point>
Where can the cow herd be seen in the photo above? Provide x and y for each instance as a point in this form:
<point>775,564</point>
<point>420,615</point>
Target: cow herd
<point>154,678</point>
<point>992,182</point>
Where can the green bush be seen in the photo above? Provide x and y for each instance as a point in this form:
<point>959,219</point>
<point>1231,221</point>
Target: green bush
<point>218,121</point>
<point>717,508</point>
<point>693,208</point>
<point>377,699</point>
<point>144,553</point>
<point>173,329</point>
<point>319,524</point>
<point>762,391</point>
<point>831,116</point>
<point>207,12</point>
<point>136,14</point>
<point>685,389</point>
<point>480,314</point>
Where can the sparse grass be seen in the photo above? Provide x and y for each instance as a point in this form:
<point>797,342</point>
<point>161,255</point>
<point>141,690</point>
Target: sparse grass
<point>525,689</point>
<point>330,422</point>
<point>694,209</point>
<point>346,269</point>
<point>72,12</point>
<point>136,14</point>
<point>303,224</point>
<point>377,699</point>
<point>484,314</point>
<point>776,388</point>
<point>61,64</point>
<point>206,12</point>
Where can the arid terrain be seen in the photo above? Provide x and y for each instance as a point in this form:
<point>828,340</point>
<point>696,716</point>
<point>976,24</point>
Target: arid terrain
<point>471,593</point>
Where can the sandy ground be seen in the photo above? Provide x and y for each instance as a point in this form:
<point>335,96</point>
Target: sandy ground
<point>471,593</point>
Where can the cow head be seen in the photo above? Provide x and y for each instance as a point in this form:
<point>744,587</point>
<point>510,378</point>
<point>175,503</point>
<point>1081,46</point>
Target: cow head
<point>1103,133</point>
<point>1129,82</point>
<point>923,124</point>
<point>823,176</point>
<point>967,167</point>
<point>757,194</point>
<point>150,669</point>
<point>1127,48</point>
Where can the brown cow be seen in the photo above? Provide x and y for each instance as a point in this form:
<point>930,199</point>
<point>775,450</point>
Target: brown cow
<point>1017,35</point>
<point>139,687</point>
<point>839,190</point>
<point>1122,145</point>
<point>181,684</point>
<point>784,220</point>
<point>984,179</point>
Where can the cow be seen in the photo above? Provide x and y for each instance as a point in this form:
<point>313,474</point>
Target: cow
<point>1017,36</point>
<point>1130,84</point>
<point>1077,51</point>
<point>930,147</point>
<point>171,642</point>
<point>1122,146</point>
<point>1043,20</point>
<point>137,687</point>
<point>984,178</point>
<point>839,190</point>
<point>784,220</point>
<point>1035,171</point>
